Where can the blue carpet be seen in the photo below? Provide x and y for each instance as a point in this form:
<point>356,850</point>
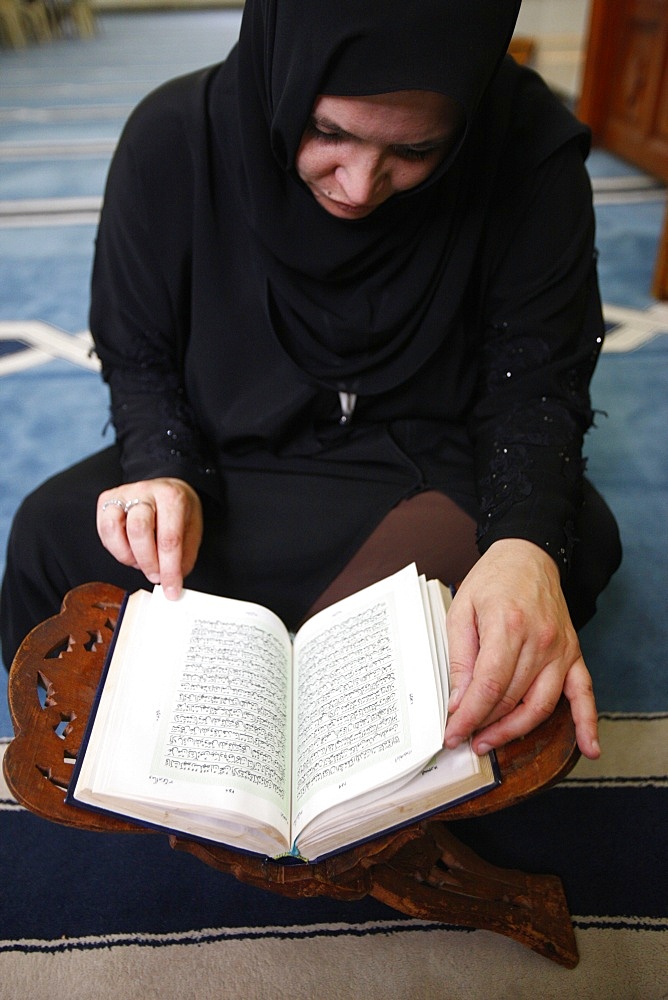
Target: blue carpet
<point>46,274</point>
<point>625,643</point>
<point>627,237</point>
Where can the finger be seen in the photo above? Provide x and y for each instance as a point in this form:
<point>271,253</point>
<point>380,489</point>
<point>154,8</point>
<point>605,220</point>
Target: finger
<point>487,691</point>
<point>171,539</point>
<point>533,659</point>
<point>463,647</point>
<point>538,705</point>
<point>578,689</point>
<point>110,520</point>
<point>140,526</point>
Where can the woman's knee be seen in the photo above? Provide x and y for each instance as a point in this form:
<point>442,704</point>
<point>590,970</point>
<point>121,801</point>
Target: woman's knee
<point>40,514</point>
<point>596,556</point>
<point>54,527</point>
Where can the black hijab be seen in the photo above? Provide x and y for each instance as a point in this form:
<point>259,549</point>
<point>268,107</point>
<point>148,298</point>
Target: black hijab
<point>360,305</point>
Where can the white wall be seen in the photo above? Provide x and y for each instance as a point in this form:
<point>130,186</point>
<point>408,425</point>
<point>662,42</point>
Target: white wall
<point>105,5</point>
<point>560,29</point>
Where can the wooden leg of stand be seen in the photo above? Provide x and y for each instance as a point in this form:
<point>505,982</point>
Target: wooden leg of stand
<point>439,878</point>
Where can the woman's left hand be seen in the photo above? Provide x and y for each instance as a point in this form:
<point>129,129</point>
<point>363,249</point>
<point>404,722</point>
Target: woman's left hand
<point>513,651</point>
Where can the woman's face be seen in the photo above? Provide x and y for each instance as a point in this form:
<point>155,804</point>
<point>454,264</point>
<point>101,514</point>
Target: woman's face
<point>357,152</point>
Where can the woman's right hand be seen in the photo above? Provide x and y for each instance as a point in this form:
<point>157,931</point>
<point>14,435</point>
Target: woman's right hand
<point>154,526</point>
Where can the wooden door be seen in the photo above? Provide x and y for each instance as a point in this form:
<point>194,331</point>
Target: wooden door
<point>625,87</point>
<point>624,96</point>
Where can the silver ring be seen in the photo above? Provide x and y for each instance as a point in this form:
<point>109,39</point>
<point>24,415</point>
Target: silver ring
<point>133,503</point>
<point>115,502</point>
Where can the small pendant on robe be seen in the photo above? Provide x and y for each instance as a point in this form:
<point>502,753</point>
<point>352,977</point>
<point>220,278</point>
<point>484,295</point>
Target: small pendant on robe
<point>347,401</point>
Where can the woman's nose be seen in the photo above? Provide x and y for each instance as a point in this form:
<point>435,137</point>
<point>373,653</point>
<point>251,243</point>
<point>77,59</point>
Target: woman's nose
<point>361,178</point>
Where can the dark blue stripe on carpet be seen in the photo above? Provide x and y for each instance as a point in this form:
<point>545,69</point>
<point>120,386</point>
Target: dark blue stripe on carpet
<point>608,845</point>
<point>61,883</point>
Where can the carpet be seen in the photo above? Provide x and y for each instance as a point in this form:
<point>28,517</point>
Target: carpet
<point>97,915</point>
<point>142,921</point>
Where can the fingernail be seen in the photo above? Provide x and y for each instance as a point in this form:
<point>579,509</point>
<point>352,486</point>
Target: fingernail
<point>453,700</point>
<point>452,742</point>
<point>596,746</point>
<point>482,749</point>
<point>171,593</point>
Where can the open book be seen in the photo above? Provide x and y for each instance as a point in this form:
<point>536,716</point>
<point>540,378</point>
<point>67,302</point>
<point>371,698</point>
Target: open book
<point>211,720</point>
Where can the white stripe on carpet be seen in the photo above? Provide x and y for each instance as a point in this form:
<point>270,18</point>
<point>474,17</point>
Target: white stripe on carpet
<point>633,327</point>
<point>633,753</point>
<point>57,149</point>
<point>409,964</point>
<point>66,113</point>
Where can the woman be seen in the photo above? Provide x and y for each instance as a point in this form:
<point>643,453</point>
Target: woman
<point>345,299</point>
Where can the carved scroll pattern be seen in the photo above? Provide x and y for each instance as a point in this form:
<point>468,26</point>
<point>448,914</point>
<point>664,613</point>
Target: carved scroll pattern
<point>51,689</point>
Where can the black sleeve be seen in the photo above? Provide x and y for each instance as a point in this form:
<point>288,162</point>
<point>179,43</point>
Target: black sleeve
<point>140,294</point>
<point>543,330</point>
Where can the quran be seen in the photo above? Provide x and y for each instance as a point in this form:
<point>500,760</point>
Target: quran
<point>212,720</point>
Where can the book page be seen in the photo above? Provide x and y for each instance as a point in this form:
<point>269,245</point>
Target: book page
<point>440,599</point>
<point>367,708</point>
<point>450,776</point>
<point>227,717</point>
<point>201,719</point>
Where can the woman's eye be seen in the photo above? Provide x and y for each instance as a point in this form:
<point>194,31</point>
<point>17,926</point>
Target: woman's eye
<point>325,133</point>
<point>407,153</point>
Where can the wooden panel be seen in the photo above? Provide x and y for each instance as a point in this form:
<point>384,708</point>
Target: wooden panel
<point>624,97</point>
<point>632,128</point>
<point>625,87</point>
<point>606,21</point>
<point>661,124</point>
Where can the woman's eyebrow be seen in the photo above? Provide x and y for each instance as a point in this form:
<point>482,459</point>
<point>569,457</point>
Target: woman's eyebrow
<point>322,121</point>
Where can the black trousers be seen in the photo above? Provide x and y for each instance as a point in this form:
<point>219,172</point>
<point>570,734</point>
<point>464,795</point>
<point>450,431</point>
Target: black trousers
<point>288,549</point>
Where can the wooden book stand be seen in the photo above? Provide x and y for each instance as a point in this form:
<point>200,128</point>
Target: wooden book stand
<point>422,871</point>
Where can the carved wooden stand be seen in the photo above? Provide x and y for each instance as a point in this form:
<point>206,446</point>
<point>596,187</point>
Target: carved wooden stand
<point>423,870</point>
